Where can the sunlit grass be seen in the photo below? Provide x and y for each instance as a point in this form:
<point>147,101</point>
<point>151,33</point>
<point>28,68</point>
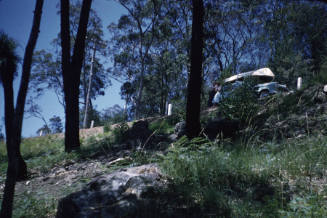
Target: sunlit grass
<point>233,181</point>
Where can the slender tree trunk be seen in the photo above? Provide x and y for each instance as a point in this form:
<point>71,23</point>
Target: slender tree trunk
<point>88,91</point>
<point>71,70</point>
<point>17,169</point>
<point>139,95</point>
<point>193,126</point>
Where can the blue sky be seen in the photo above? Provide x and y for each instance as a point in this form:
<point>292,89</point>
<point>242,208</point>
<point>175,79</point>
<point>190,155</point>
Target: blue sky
<point>16,20</point>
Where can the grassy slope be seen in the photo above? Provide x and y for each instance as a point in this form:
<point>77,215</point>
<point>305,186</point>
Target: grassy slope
<point>252,178</point>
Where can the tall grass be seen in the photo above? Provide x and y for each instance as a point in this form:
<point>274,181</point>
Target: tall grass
<point>259,181</point>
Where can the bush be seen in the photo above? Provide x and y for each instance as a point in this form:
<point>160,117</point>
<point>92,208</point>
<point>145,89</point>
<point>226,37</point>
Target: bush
<point>220,182</point>
<point>119,132</point>
<point>107,127</point>
<point>241,104</point>
<point>272,180</point>
<point>164,126</point>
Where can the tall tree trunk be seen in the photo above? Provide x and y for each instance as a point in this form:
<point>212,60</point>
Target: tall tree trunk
<point>71,70</point>
<point>193,126</point>
<point>88,92</point>
<point>139,95</point>
<point>72,117</point>
<point>17,169</point>
<point>8,196</point>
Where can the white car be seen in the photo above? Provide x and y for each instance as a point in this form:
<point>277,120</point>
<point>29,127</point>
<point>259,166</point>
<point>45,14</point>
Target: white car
<point>265,87</point>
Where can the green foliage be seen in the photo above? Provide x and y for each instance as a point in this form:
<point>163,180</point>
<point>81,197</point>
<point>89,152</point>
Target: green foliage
<point>296,39</point>
<point>8,59</point>
<point>322,76</point>
<point>113,115</point>
<point>241,104</point>
<point>107,127</point>
<point>306,206</point>
<point>119,132</point>
<point>55,124</point>
<point>47,64</point>
<point>165,125</point>
<point>28,205</point>
<point>234,182</point>
<point>212,178</point>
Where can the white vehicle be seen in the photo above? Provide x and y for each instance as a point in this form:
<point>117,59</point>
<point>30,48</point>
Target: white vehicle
<point>264,87</point>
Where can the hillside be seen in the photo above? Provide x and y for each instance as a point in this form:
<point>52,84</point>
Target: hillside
<point>274,166</point>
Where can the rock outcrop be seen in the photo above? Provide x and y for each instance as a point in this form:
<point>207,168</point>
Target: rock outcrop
<point>131,192</point>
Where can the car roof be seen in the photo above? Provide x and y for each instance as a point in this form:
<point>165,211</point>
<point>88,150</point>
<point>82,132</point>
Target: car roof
<point>263,72</point>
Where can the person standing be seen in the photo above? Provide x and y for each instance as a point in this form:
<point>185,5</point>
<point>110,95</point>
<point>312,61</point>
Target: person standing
<point>216,87</point>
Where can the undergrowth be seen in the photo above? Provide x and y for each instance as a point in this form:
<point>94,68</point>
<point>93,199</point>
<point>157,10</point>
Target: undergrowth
<point>270,180</point>
<point>219,179</point>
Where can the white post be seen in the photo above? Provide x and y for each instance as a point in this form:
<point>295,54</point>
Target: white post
<point>92,124</point>
<point>170,107</point>
<point>299,83</point>
<point>41,132</point>
<point>166,108</point>
<point>325,88</point>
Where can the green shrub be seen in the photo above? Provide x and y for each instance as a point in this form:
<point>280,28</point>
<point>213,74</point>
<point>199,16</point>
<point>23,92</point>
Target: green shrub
<point>220,181</point>
<point>107,127</point>
<point>310,205</point>
<point>119,132</point>
<point>241,104</point>
<point>230,182</point>
<point>165,125</point>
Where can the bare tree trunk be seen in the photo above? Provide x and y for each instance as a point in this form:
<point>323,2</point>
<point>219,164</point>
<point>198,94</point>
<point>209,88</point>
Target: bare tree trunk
<point>88,91</point>
<point>8,196</point>
<point>17,169</point>
<point>71,70</point>
<point>139,95</point>
<point>193,126</point>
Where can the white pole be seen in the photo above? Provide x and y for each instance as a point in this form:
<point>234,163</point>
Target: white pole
<point>92,124</point>
<point>170,107</point>
<point>41,132</point>
<point>299,83</point>
<point>325,88</point>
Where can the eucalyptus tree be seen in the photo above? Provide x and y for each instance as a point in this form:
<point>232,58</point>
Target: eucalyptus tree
<point>151,52</point>
<point>47,63</point>
<point>193,126</point>
<point>233,31</point>
<point>17,169</point>
<point>132,38</point>
<point>170,54</point>
<point>71,66</point>
<point>295,31</point>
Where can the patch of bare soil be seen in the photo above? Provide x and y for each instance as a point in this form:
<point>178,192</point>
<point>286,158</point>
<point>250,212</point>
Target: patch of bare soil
<point>69,176</point>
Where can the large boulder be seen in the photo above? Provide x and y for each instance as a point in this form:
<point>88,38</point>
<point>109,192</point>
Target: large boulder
<point>125,193</point>
<point>180,129</point>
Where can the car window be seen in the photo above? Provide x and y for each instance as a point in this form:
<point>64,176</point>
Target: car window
<point>227,87</point>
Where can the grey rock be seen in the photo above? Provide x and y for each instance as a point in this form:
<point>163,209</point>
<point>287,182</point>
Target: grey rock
<point>180,129</point>
<point>124,193</point>
<point>173,137</point>
<point>320,97</point>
